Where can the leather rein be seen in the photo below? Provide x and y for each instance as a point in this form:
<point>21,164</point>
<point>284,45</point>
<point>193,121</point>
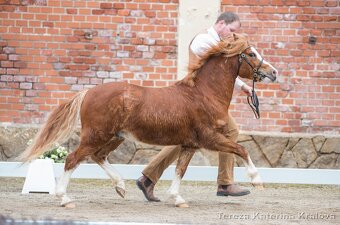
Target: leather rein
<point>253,101</point>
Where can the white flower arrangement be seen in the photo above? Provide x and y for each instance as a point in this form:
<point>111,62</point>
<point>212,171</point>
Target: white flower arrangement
<point>57,153</point>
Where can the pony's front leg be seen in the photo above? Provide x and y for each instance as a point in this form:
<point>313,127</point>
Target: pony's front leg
<point>252,172</point>
<point>100,157</point>
<point>182,165</point>
<point>116,178</point>
<point>220,143</point>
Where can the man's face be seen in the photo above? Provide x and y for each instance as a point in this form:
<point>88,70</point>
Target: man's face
<point>227,29</point>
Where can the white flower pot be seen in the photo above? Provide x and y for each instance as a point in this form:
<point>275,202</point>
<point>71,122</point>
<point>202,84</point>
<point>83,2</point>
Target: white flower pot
<point>40,177</point>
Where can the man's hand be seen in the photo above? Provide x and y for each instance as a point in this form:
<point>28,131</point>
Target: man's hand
<point>246,89</point>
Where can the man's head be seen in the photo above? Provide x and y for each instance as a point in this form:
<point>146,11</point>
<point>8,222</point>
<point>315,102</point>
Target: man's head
<point>227,23</point>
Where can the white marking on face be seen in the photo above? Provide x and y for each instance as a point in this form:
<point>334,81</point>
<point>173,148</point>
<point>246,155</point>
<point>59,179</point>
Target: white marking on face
<point>259,57</point>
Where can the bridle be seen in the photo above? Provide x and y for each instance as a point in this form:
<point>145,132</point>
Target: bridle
<point>253,101</point>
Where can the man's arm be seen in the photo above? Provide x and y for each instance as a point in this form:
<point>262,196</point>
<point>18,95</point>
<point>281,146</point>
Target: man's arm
<point>243,86</point>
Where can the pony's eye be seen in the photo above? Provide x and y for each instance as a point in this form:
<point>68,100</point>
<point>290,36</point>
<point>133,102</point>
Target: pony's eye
<point>251,54</point>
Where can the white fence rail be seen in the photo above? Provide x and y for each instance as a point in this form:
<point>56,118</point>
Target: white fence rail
<point>197,173</point>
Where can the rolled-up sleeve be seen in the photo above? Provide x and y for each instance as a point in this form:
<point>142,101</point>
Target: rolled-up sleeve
<point>239,83</point>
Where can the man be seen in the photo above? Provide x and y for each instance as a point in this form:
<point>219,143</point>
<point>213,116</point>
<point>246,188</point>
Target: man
<point>226,24</point>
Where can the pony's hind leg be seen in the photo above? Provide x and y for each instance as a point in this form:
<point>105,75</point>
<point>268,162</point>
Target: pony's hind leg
<point>72,162</point>
<point>100,157</point>
<point>61,189</point>
<point>182,165</point>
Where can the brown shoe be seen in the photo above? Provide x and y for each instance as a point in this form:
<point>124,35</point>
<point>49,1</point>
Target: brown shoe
<point>146,185</point>
<point>231,190</point>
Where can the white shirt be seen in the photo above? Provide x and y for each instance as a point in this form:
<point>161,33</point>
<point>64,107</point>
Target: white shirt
<point>202,42</point>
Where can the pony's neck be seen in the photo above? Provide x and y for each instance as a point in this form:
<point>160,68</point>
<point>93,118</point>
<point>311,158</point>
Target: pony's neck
<point>218,76</point>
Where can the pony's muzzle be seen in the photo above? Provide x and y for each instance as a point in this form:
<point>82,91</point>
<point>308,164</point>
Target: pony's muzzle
<point>268,75</point>
<point>275,73</point>
<point>272,75</point>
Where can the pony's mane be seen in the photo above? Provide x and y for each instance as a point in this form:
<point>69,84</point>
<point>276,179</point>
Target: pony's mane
<point>230,46</point>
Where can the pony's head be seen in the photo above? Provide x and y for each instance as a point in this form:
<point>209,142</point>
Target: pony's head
<point>253,66</point>
<point>250,64</point>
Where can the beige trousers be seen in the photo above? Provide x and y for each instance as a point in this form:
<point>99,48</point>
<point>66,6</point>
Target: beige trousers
<point>169,154</point>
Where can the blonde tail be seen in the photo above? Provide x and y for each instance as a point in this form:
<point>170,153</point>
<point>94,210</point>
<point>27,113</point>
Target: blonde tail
<point>60,124</point>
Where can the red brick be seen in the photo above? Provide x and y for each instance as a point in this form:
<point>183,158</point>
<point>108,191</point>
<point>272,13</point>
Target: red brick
<point>330,18</point>
<point>3,57</point>
<point>98,11</point>
<point>26,85</point>
<point>48,24</point>
<point>118,6</point>
<point>106,5</point>
<point>72,11</point>
<point>323,53</point>
<point>335,53</point>
<point>12,71</point>
<point>303,17</point>
<point>7,64</point>
<point>150,14</point>
<point>123,12</point>
<point>331,3</point>
<point>89,61</point>
<point>3,70</point>
<point>7,8</point>
<point>316,18</point>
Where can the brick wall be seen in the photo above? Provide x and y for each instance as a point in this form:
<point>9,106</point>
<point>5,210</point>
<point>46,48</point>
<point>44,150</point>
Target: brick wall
<point>51,49</point>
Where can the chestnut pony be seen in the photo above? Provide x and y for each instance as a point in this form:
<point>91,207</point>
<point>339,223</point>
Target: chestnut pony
<point>192,113</point>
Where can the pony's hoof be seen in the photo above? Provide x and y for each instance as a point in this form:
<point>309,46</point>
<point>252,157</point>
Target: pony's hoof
<point>70,205</point>
<point>120,191</point>
<point>258,186</point>
<point>67,202</point>
<point>182,205</point>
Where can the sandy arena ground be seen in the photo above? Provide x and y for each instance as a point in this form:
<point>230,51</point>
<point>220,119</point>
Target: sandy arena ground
<point>97,201</point>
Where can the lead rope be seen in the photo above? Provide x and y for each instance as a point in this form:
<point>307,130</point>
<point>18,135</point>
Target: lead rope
<point>253,102</point>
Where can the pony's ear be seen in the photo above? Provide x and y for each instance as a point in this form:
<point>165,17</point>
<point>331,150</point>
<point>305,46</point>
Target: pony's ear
<point>235,36</point>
